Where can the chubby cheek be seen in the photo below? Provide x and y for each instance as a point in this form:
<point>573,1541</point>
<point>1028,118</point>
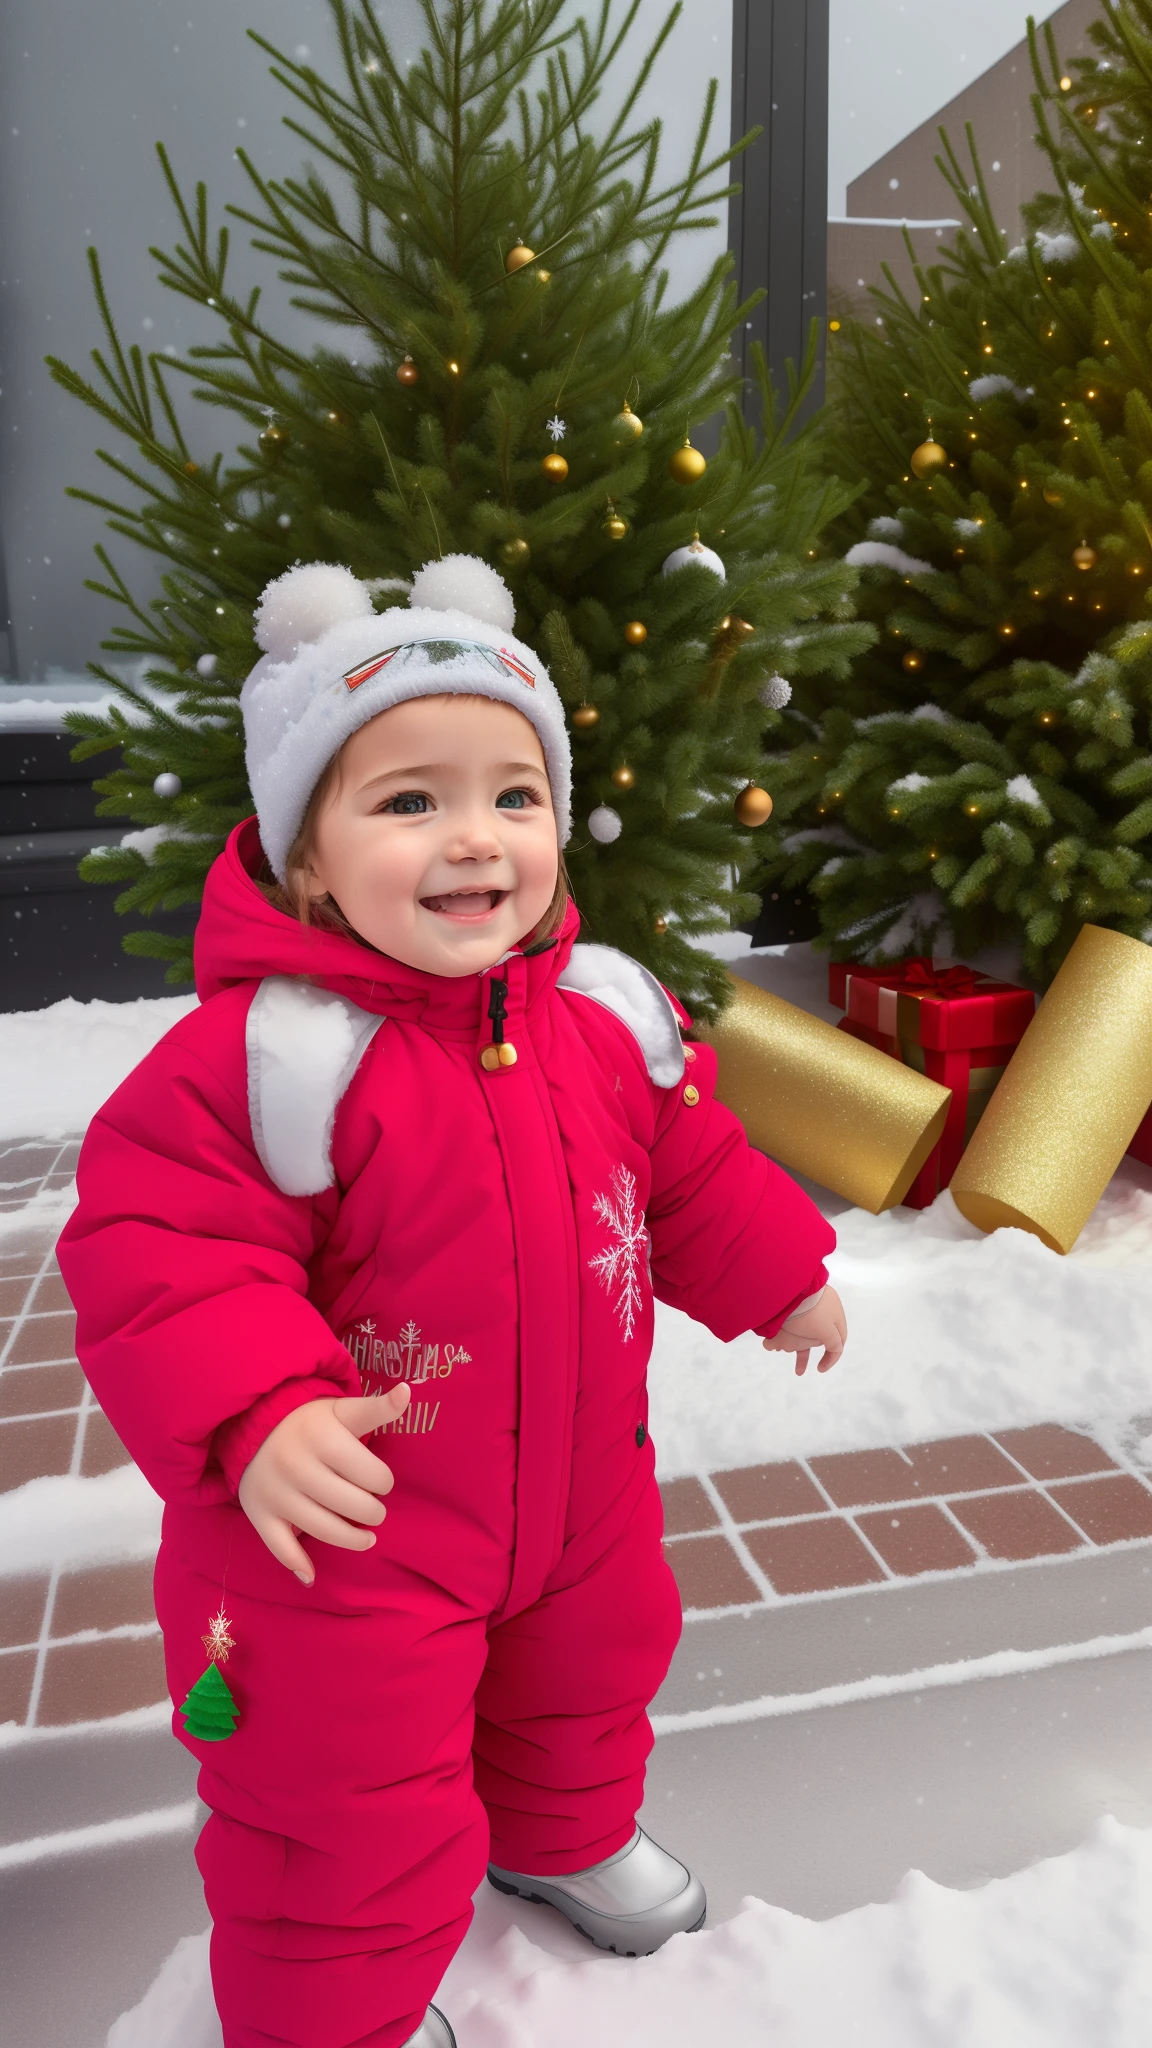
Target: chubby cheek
<point>382,882</point>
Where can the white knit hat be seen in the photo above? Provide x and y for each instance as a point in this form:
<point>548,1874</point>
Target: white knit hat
<point>331,663</point>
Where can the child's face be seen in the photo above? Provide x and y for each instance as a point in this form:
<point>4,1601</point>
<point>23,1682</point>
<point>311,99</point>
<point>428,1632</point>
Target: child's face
<point>438,840</point>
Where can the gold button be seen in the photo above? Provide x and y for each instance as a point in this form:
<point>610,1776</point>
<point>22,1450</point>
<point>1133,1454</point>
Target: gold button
<point>506,1055</point>
<point>691,1096</point>
<point>490,1058</point>
<point>689,1053</point>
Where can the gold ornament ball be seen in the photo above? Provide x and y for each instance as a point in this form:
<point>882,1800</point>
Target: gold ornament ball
<point>191,469</point>
<point>1053,497</point>
<point>1007,631</point>
<point>615,527</point>
<point>626,425</point>
<point>753,806</point>
<point>660,926</point>
<point>1084,556</point>
<point>913,660</point>
<point>624,777</point>
<point>554,468</point>
<point>635,632</point>
<point>514,553</point>
<point>585,718</point>
<point>928,458</point>
<point>406,372</point>
<point>518,257</point>
<point>686,465</point>
<point>274,437</point>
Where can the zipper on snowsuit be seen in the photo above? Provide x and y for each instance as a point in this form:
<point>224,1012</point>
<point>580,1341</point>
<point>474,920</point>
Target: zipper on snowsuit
<point>499,1053</point>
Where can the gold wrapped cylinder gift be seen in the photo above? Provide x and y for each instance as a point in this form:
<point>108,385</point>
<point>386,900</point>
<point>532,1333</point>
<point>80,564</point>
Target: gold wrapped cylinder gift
<point>844,1114</point>
<point>1072,1097</point>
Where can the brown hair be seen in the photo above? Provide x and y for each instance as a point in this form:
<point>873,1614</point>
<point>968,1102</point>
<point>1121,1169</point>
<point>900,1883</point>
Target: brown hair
<point>293,896</point>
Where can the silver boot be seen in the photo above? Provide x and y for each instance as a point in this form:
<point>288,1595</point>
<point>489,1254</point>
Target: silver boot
<point>433,2032</point>
<point>631,1903</point>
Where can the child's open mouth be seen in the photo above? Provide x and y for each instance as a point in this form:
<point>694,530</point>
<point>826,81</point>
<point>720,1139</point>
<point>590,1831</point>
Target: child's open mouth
<point>470,906</point>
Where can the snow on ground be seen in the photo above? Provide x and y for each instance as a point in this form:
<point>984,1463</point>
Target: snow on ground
<point>68,1522</point>
<point>1055,1956</point>
<point>58,1065</point>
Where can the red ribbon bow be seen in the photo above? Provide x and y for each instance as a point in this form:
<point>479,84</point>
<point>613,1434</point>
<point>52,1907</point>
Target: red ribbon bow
<point>950,981</point>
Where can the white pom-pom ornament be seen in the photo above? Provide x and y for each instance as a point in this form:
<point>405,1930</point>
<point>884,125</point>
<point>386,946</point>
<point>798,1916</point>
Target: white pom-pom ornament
<point>304,603</point>
<point>705,558</point>
<point>463,583</point>
<point>167,784</point>
<point>206,666</point>
<point>605,825</point>
<point>775,693</point>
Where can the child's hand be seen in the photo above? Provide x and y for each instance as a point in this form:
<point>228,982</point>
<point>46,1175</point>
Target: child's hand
<point>312,1474</point>
<point>823,1322</point>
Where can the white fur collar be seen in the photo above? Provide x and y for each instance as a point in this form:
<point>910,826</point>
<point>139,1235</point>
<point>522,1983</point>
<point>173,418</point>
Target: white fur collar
<point>636,997</point>
<point>304,1045</point>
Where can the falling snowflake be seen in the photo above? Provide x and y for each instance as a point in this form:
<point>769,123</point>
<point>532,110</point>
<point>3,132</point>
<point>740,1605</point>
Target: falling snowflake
<point>557,427</point>
<point>218,1642</point>
<point>618,1266</point>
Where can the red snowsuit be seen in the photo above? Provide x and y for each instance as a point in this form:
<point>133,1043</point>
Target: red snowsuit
<point>478,1681</point>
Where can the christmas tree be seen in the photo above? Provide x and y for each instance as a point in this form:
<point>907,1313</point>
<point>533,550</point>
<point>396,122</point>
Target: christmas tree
<point>510,379</point>
<point>987,776</point>
<point>209,1712</point>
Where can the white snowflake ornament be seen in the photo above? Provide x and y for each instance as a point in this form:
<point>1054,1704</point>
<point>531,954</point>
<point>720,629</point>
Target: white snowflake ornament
<point>557,427</point>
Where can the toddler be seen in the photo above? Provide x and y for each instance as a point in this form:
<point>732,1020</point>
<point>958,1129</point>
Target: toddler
<point>383,1218</point>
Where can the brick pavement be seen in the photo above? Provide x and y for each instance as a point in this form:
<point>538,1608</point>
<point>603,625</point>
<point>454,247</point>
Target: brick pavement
<point>83,1644</point>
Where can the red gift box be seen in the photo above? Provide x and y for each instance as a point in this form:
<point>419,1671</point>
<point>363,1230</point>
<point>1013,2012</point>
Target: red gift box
<point>1141,1146</point>
<point>954,1024</point>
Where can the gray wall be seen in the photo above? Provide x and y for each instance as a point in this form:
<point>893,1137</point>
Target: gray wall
<point>85,92</point>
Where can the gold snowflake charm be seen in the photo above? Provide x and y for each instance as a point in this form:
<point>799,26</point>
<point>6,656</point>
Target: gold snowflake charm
<point>218,1642</point>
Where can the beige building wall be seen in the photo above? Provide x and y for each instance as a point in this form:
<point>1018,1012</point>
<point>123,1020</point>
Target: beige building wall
<point>905,185</point>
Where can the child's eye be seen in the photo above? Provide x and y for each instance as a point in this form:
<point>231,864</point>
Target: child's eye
<point>515,800</point>
<point>410,803</point>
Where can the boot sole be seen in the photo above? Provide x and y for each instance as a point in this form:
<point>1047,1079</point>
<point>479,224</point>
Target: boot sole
<point>514,1891</point>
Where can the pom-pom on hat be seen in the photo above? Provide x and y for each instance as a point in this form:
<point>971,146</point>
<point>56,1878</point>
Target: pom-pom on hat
<point>331,662</point>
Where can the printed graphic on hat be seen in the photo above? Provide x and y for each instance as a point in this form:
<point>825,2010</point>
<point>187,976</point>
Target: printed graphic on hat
<point>437,652</point>
<point>367,669</point>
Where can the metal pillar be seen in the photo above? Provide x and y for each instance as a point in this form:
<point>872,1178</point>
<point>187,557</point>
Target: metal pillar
<point>778,223</point>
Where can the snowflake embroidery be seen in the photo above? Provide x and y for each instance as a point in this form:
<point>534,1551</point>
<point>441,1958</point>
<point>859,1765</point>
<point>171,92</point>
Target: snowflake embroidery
<point>618,1266</point>
<point>218,1642</point>
<point>557,427</point>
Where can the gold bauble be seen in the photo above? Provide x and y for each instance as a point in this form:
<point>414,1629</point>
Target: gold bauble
<point>913,660</point>
<point>686,465</point>
<point>928,458</point>
<point>1053,497</point>
<point>624,777</point>
<point>274,437</point>
<point>554,468</point>
<point>406,372</point>
<point>635,632</point>
<point>660,926</point>
<point>753,806</point>
<point>614,526</point>
<point>1084,556</point>
<point>191,469</point>
<point>518,257</point>
<point>585,718</point>
<point>514,553</point>
<point>626,425</point>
